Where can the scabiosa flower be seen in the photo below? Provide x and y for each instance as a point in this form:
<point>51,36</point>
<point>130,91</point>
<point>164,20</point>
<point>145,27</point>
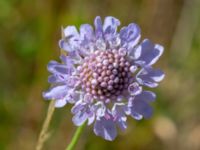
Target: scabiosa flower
<point>103,75</point>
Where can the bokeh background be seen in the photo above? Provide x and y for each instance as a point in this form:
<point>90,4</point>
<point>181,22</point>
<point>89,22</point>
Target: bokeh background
<point>29,34</point>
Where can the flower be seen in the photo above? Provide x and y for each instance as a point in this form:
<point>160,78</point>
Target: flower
<point>103,75</point>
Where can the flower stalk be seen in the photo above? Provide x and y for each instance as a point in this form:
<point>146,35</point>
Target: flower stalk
<point>76,136</point>
<point>44,135</point>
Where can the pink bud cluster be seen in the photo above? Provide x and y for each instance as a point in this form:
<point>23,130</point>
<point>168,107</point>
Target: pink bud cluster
<point>105,74</point>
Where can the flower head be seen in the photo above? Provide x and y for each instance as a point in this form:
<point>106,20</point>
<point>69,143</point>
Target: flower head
<point>103,75</point>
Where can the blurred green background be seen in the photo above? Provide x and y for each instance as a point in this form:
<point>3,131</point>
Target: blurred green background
<point>29,34</point>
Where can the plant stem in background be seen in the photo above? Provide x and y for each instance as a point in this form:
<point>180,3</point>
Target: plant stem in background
<point>44,135</point>
<point>76,137</point>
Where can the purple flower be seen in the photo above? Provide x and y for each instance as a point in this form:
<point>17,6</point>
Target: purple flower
<point>103,75</point>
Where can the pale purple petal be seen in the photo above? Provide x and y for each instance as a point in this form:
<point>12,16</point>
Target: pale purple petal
<point>100,109</point>
<point>148,96</point>
<point>79,106</point>
<point>105,128</point>
<point>72,96</point>
<point>66,60</point>
<point>60,72</point>
<point>82,112</point>
<point>70,42</point>
<point>121,122</point>
<point>134,89</point>
<point>57,92</point>
<point>79,118</point>
<point>72,81</point>
<point>91,119</point>
<point>135,53</point>
<point>98,27</point>
<point>131,110</point>
<point>118,112</point>
<point>135,115</point>
<point>88,98</point>
<point>150,53</point>
<point>110,25</point>
<point>86,32</point>
<point>56,78</point>
<point>150,77</point>
<point>57,68</point>
<point>63,69</point>
<point>75,56</point>
<point>52,79</point>
<point>71,31</point>
<point>60,103</point>
<point>100,44</point>
<point>65,45</point>
<point>140,105</point>
<point>130,36</point>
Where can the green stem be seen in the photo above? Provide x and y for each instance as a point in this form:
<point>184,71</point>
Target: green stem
<point>76,136</point>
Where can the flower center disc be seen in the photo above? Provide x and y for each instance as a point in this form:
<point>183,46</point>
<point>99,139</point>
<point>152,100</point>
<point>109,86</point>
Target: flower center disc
<point>105,74</point>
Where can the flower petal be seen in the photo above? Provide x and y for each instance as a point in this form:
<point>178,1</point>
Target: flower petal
<point>135,115</point>
<point>150,77</point>
<point>142,107</point>
<point>91,119</point>
<point>134,89</point>
<point>73,96</point>
<point>72,81</point>
<point>70,31</point>
<point>57,68</point>
<point>100,109</point>
<point>105,128</point>
<point>79,106</point>
<point>118,110</point>
<point>110,25</point>
<point>76,108</point>
<point>87,39</point>
<point>70,42</point>
<point>65,45</point>
<point>66,60</point>
<point>100,44</point>
<point>86,31</point>
<point>139,105</point>
<point>148,96</point>
<point>98,27</point>
<point>135,53</point>
<point>121,122</point>
<point>130,36</point>
<point>88,98</point>
<point>57,92</point>
<point>55,78</point>
<point>60,103</point>
<point>82,111</point>
<point>79,118</point>
<point>75,56</point>
<point>150,53</point>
